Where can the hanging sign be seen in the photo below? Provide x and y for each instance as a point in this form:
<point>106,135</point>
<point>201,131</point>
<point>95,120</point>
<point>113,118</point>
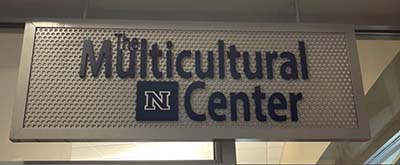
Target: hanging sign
<point>142,81</point>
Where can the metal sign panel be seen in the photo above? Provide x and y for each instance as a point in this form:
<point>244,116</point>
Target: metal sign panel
<point>140,81</point>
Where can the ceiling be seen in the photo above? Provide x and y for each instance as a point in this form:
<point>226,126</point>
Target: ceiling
<point>361,12</point>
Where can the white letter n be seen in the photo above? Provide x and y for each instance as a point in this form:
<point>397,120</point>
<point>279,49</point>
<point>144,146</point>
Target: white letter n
<point>159,100</point>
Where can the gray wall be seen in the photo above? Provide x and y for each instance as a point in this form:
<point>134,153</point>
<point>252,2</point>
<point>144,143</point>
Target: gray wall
<point>371,12</point>
<point>10,47</point>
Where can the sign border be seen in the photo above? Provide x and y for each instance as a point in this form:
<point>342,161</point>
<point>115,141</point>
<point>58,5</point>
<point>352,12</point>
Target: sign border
<point>20,134</point>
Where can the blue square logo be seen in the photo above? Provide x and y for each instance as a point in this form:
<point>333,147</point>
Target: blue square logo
<point>157,101</point>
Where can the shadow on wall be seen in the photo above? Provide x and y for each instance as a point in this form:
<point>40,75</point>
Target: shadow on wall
<point>382,104</point>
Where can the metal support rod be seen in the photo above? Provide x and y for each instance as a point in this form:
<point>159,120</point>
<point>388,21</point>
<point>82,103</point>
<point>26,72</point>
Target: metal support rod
<point>297,9</point>
<point>85,9</point>
<point>225,152</point>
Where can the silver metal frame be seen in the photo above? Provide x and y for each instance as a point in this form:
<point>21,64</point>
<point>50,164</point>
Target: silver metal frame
<point>376,32</point>
<point>20,134</point>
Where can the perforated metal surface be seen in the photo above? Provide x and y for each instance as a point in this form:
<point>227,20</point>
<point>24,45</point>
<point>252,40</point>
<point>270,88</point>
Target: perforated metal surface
<point>54,104</point>
<point>59,98</point>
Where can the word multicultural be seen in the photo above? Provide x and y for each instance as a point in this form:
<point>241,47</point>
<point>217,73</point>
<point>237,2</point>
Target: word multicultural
<point>163,96</point>
<point>288,70</point>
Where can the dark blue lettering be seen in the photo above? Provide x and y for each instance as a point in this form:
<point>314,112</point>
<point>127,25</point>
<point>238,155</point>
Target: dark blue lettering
<point>269,57</point>
<point>143,58</point>
<point>189,111</point>
<point>272,106</point>
<point>258,96</point>
<point>169,59</point>
<point>303,60</point>
<point>179,68</point>
<point>210,67</point>
<point>155,53</point>
<point>212,106</point>
<point>132,59</point>
<point>233,54</point>
<point>289,66</point>
<point>95,65</point>
<point>246,106</point>
<point>294,98</point>
<point>246,64</point>
<point>221,59</point>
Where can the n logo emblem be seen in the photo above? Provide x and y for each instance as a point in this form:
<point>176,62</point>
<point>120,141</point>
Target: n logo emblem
<point>159,100</point>
<point>156,101</point>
